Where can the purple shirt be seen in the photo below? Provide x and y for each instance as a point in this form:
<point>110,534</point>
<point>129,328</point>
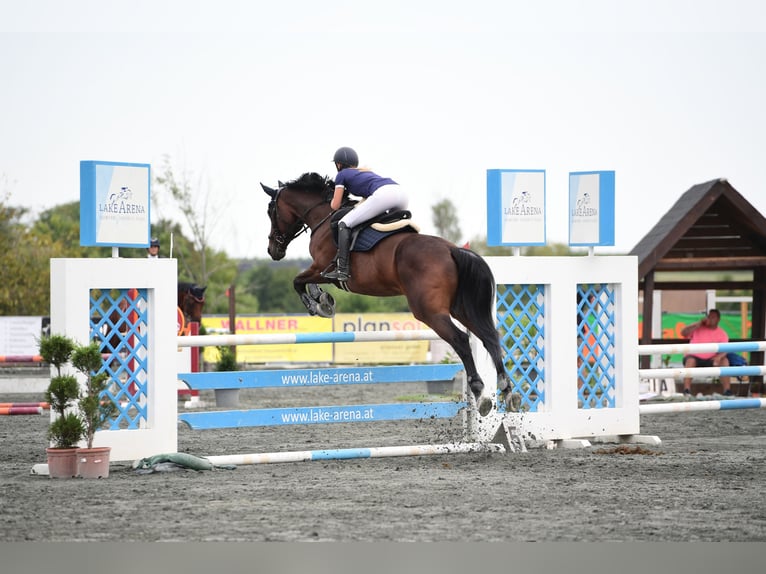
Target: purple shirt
<point>361,183</point>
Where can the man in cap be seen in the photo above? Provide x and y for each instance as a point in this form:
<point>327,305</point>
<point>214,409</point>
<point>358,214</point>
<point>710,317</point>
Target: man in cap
<point>153,251</point>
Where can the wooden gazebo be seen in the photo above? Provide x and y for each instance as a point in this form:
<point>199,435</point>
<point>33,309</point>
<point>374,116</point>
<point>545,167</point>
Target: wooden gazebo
<point>711,228</point>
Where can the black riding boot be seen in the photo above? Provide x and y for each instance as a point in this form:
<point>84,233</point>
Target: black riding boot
<point>341,272</point>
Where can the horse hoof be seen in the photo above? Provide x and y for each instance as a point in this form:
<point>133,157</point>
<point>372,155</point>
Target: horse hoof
<point>325,311</point>
<point>485,406</point>
<point>326,299</point>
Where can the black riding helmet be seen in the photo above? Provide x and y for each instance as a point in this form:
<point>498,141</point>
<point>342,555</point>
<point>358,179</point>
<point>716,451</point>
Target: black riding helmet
<point>346,157</point>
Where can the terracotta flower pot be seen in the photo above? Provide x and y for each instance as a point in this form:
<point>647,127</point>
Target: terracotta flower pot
<point>62,462</point>
<point>93,462</point>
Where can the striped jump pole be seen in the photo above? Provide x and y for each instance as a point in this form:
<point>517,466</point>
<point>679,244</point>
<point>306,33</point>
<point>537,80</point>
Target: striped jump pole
<point>681,348</point>
<point>684,372</point>
<point>9,405</point>
<point>695,406</point>
<point>21,359</point>
<point>684,348</point>
<point>350,453</point>
<point>5,411</point>
<point>294,338</point>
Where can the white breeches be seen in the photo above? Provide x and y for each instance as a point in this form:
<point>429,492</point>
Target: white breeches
<point>386,197</point>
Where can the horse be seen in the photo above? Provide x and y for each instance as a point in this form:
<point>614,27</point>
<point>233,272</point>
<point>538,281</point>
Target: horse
<point>439,279</point>
<point>191,300</point>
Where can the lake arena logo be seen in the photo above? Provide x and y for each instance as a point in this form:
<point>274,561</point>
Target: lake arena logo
<point>121,202</point>
<point>520,205</point>
<point>582,208</point>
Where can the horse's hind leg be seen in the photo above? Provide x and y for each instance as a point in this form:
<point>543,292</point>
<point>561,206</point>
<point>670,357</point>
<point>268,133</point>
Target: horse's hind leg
<point>444,327</point>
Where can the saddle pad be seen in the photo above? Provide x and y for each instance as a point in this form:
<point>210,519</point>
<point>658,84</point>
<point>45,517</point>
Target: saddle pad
<point>369,238</point>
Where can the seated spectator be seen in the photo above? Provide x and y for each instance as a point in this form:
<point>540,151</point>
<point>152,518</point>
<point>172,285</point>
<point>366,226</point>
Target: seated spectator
<point>706,330</point>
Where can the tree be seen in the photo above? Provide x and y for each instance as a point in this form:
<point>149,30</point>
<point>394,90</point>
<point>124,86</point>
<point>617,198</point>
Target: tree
<point>444,218</point>
<point>272,287</point>
<point>25,260</point>
<point>61,224</point>
<point>200,217</point>
<point>479,245</point>
<point>198,262</point>
<point>347,302</point>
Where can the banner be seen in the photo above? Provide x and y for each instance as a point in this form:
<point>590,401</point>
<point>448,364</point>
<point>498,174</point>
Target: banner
<point>20,336</point>
<point>591,208</point>
<point>389,352</point>
<point>114,204</point>
<point>273,325</point>
<point>515,207</point>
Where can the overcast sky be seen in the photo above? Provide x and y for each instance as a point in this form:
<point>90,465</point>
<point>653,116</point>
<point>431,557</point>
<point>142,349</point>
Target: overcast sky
<point>666,93</point>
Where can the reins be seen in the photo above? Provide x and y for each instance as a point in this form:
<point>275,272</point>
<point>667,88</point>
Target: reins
<point>282,238</point>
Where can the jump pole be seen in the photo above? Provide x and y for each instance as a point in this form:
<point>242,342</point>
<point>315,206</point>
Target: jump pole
<point>681,348</point>
<point>694,406</point>
<point>351,453</point>
<point>21,359</point>
<point>42,405</point>
<point>294,338</point>
<point>21,411</point>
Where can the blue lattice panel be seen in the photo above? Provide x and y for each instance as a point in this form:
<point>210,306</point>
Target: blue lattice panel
<point>118,322</point>
<point>521,324</point>
<point>596,349</point>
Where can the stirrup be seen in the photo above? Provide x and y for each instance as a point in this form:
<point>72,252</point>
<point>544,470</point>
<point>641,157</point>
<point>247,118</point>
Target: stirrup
<point>336,274</point>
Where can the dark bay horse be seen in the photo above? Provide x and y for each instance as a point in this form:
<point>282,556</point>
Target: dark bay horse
<point>439,279</point>
<point>191,301</point>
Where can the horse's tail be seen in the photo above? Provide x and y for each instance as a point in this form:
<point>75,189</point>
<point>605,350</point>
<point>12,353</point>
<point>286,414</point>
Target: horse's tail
<point>474,303</point>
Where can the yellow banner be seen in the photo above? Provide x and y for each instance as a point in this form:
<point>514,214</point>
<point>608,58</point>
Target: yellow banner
<point>272,325</point>
<point>393,352</point>
<point>388,352</point>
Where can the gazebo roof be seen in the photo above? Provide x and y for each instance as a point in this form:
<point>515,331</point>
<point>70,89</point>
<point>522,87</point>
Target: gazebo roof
<point>711,227</point>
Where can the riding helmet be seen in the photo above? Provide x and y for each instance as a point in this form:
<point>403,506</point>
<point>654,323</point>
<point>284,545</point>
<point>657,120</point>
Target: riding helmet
<point>346,156</point>
<point>154,242</point>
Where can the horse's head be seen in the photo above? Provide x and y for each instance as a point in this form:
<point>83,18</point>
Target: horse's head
<point>291,209</point>
<point>191,300</point>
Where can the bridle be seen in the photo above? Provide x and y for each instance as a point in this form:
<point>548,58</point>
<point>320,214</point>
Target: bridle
<point>187,305</point>
<point>298,227</point>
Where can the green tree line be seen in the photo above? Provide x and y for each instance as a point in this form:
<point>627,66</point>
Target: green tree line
<point>27,244</point>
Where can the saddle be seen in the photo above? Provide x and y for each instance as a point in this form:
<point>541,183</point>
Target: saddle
<point>367,235</point>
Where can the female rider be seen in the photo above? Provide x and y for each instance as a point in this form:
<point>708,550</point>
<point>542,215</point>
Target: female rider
<point>379,193</point>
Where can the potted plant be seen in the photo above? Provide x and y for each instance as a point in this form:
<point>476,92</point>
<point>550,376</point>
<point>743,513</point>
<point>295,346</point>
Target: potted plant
<point>66,427</point>
<point>95,410</point>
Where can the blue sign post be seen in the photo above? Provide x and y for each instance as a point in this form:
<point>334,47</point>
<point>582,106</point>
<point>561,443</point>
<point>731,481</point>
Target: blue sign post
<point>515,207</point>
<point>114,204</point>
<point>591,208</point>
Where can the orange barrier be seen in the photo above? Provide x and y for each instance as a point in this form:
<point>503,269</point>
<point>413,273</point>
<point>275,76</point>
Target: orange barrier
<point>14,405</point>
<point>21,359</point>
<point>21,410</point>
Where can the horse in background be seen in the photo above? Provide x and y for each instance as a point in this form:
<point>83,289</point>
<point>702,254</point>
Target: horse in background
<point>191,301</point>
<point>439,279</point>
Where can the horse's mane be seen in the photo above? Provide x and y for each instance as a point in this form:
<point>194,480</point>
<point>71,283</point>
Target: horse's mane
<point>312,182</point>
<point>196,290</point>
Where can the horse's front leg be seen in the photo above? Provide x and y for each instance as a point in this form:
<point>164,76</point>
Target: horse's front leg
<point>316,301</point>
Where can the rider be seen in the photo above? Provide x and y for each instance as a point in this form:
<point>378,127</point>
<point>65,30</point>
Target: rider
<point>379,194</point>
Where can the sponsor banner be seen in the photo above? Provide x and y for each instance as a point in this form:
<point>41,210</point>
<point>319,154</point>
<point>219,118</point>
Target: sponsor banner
<point>114,204</point>
<point>385,352</point>
<point>20,336</point>
<point>273,325</point>
<point>515,207</point>
<point>388,352</point>
<point>591,208</point>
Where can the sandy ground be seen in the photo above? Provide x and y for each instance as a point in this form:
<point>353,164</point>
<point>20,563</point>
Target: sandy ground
<point>704,483</point>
